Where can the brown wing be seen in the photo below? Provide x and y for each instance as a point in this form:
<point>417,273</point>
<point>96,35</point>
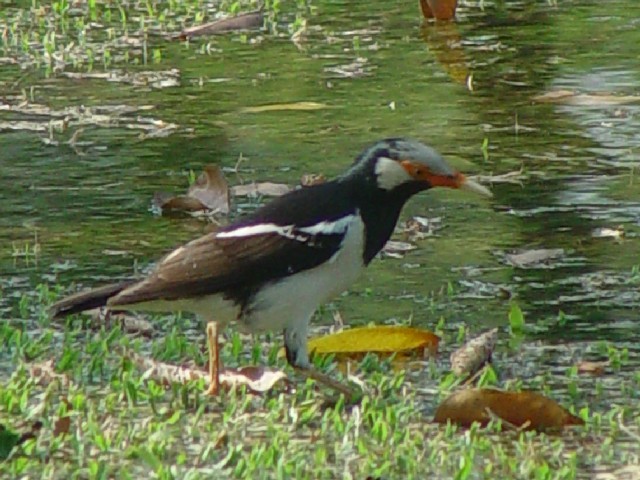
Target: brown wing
<point>233,265</point>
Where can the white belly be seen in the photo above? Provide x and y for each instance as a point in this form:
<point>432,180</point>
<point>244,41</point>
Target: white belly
<point>297,297</point>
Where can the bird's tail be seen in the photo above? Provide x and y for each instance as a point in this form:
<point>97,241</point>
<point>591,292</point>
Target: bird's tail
<point>82,301</point>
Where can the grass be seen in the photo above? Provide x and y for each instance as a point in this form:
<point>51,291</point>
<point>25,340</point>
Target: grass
<point>84,36</point>
<point>110,421</point>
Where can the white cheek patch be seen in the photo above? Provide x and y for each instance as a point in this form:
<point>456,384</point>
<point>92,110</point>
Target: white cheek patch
<point>390,174</point>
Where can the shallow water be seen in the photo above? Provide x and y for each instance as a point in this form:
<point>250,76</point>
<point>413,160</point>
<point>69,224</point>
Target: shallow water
<point>379,72</point>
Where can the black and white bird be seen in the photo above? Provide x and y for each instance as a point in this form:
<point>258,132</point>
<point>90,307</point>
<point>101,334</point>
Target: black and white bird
<point>272,269</point>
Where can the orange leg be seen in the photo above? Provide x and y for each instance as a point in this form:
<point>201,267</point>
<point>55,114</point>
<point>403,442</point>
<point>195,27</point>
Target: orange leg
<point>214,358</point>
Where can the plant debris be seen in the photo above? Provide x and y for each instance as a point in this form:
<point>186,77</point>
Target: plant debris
<point>397,249</point>
<point>268,189</point>
<point>209,193</point>
<point>244,21</point>
<point>257,379</point>
<point>473,355</point>
<point>534,258</point>
<point>521,410</point>
<point>572,97</point>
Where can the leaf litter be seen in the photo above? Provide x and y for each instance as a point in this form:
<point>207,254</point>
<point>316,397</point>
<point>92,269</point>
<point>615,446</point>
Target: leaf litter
<point>523,410</point>
<point>42,118</point>
<point>473,355</point>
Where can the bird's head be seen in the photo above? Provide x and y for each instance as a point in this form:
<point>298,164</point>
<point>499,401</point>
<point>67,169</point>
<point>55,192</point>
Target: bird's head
<point>399,164</point>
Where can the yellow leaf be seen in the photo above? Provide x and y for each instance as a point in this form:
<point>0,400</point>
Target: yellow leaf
<point>276,107</point>
<point>381,339</point>
<point>527,410</point>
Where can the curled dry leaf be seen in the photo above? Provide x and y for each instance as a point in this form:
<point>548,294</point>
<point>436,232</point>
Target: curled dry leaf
<point>526,410</point>
<point>593,368</point>
<point>381,339</point>
<point>470,358</point>
<point>268,189</point>
<point>533,258</point>
<point>245,21</point>
<point>256,379</point>
<point>210,193</point>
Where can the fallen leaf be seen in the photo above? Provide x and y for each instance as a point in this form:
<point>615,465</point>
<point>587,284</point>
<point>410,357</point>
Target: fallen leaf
<point>209,192</point>
<point>616,233</point>
<point>526,410</point>
<point>245,21</point>
<point>439,9</point>
<point>268,189</point>
<point>396,249</point>
<point>533,258</point>
<point>381,339</point>
<point>212,189</point>
<point>61,426</point>
<point>470,358</point>
<point>168,202</point>
<point>593,368</point>
<point>257,379</point>
<point>571,97</point>
<point>278,107</point>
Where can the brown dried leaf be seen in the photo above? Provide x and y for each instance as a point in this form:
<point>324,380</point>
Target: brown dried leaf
<point>268,189</point>
<point>61,426</point>
<point>256,379</point>
<point>471,357</point>
<point>526,410</point>
<point>210,192</point>
<point>168,202</point>
<point>532,258</point>
<point>212,189</point>
<point>245,21</point>
<point>593,368</point>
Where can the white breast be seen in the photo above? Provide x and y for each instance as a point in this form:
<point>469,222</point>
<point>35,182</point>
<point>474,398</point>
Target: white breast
<point>295,298</point>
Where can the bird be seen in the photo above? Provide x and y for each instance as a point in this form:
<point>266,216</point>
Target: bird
<point>272,269</point>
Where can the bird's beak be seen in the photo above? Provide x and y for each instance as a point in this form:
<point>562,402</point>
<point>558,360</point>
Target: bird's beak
<point>465,183</point>
<point>457,180</point>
